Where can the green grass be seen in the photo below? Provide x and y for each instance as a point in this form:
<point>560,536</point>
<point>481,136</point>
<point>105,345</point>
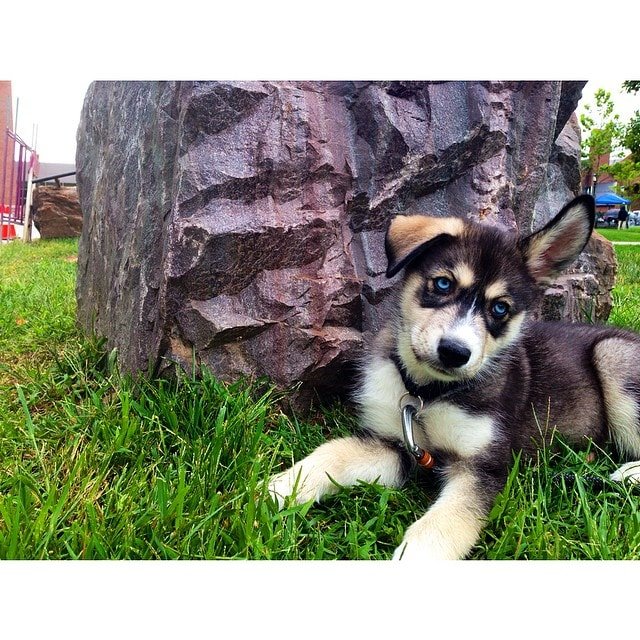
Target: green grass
<point>632,234</point>
<point>98,465</point>
<point>626,293</point>
<point>563,508</point>
<point>37,306</point>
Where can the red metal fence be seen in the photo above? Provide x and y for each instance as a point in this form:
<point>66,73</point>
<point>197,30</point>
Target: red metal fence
<point>19,159</point>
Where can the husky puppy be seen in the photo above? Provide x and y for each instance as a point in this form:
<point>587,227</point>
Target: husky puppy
<point>460,378</point>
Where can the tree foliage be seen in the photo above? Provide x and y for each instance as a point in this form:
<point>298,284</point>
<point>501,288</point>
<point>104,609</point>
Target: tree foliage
<point>603,131</point>
<point>631,86</point>
<point>626,174</point>
<point>631,138</point>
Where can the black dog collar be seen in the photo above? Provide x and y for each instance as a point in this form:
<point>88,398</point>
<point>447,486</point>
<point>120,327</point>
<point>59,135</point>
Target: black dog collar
<point>427,392</point>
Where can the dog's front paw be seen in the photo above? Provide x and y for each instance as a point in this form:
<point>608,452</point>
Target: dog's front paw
<point>280,487</point>
<point>417,551</point>
<point>291,483</point>
<point>629,472</point>
<point>424,541</point>
<point>420,543</point>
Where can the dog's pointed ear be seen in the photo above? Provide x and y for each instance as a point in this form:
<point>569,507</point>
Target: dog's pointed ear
<point>408,237</point>
<point>548,251</point>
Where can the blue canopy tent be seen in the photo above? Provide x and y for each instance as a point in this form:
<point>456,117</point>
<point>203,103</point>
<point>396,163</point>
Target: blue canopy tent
<point>610,199</point>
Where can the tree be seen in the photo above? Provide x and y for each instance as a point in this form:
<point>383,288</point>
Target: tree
<point>606,134</point>
<point>631,86</point>
<point>603,131</point>
<point>626,174</point>
<point>631,138</point>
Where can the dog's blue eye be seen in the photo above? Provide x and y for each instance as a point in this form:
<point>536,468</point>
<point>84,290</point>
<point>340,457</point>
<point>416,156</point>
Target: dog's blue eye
<point>442,284</point>
<point>499,309</point>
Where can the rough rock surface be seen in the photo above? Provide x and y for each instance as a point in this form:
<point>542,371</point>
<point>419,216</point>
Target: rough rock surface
<point>56,212</point>
<point>584,291</point>
<point>242,223</point>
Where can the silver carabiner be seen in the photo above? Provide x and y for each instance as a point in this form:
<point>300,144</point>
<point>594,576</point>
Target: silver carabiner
<point>410,405</point>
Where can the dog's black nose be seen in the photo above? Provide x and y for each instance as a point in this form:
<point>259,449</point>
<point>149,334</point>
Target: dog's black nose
<point>452,353</point>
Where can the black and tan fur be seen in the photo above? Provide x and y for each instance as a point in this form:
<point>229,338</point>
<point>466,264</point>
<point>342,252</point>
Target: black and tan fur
<point>492,381</point>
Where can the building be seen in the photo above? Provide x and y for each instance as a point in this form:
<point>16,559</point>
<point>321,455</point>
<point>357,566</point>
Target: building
<point>604,182</point>
<point>6,122</point>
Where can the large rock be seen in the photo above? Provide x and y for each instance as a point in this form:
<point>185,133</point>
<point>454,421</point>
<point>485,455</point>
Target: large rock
<point>584,291</point>
<point>56,212</point>
<point>242,223</point>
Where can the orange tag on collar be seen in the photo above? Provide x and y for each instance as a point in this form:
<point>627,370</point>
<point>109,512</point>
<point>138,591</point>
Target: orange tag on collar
<point>426,460</point>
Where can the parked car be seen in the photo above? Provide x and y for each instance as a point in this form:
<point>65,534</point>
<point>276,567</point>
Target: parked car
<point>608,217</point>
<point>634,218</point>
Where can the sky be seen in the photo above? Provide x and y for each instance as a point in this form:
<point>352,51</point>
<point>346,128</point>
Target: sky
<point>53,105</point>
